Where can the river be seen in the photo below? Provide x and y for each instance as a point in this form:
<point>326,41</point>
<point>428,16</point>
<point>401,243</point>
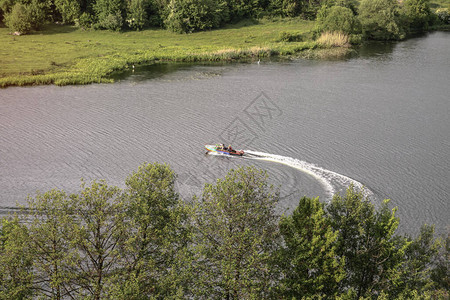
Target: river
<point>379,119</point>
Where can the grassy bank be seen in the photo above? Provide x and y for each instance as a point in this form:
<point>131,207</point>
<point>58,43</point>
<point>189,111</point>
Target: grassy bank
<point>66,55</point>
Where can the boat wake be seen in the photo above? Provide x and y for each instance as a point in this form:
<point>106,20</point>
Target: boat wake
<point>333,182</point>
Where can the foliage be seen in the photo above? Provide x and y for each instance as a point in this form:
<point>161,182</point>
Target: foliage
<point>337,19</point>
<point>109,14</point>
<point>158,235</point>
<point>380,19</point>
<point>193,15</point>
<point>417,266</point>
<point>443,15</point>
<point>85,21</point>
<point>99,231</point>
<point>236,234</point>
<point>137,14</point>
<point>418,13</point>
<point>440,273</point>
<point>70,10</point>
<point>16,260</point>
<point>367,241</point>
<point>52,221</point>
<point>19,19</point>
<point>308,260</point>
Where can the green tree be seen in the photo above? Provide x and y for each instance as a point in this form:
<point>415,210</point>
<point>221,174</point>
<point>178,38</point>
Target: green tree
<point>417,14</point>
<point>157,232</point>
<point>99,231</point>
<point>109,14</point>
<point>380,19</point>
<point>440,273</point>
<point>193,15</point>
<point>19,19</point>
<point>367,241</point>
<point>51,221</point>
<point>70,10</point>
<point>308,261</point>
<point>236,234</point>
<point>419,256</point>
<point>137,14</point>
<point>337,18</point>
<point>16,260</point>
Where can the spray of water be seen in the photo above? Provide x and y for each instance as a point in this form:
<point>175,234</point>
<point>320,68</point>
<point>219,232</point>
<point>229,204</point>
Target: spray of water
<point>331,181</point>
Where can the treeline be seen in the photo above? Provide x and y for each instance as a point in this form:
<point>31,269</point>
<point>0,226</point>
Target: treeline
<point>144,242</point>
<point>375,19</point>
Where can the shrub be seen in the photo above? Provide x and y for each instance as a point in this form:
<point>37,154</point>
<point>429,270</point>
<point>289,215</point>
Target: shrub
<point>337,18</point>
<point>23,18</point>
<point>380,20</point>
<point>289,37</point>
<point>137,14</point>
<point>69,9</point>
<point>19,19</point>
<point>193,15</point>
<point>109,14</point>
<point>417,14</point>
<point>443,15</point>
<point>85,21</point>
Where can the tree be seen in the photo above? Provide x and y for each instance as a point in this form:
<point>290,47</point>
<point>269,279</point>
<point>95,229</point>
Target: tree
<point>52,220</point>
<point>19,19</point>
<point>440,273</point>
<point>236,234</point>
<point>70,10</point>
<point>419,256</point>
<point>109,14</point>
<point>16,260</point>
<point>417,13</point>
<point>367,241</point>
<point>137,14</point>
<point>157,231</point>
<point>308,260</point>
<point>337,19</point>
<point>380,19</point>
<point>187,16</point>
<point>99,231</point>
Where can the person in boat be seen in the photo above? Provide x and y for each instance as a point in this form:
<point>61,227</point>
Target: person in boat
<point>230,149</point>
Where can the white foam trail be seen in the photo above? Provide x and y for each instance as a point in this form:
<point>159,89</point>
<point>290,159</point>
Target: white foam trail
<point>329,179</point>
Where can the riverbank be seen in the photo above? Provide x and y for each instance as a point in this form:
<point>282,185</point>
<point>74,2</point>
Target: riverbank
<point>64,55</point>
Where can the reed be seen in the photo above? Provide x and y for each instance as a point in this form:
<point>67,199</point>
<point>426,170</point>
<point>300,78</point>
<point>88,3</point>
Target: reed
<point>333,39</point>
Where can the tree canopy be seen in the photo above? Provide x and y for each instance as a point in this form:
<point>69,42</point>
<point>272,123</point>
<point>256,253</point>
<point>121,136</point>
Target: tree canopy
<point>145,242</point>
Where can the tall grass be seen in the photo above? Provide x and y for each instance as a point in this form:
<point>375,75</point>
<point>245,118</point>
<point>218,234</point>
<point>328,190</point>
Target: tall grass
<point>333,39</point>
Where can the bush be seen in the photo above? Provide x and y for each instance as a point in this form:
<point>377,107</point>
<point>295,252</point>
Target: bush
<point>289,37</point>
<point>337,18</point>
<point>18,19</point>
<point>137,14</point>
<point>380,20</point>
<point>109,14</point>
<point>23,18</point>
<point>443,15</point>
<point>85,21</point>
<point>69,9</point>
<point>417,13</point>
<point>113,21</point>
<point>194,15</point>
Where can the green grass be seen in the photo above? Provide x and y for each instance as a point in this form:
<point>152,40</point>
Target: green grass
<point>67,55</point>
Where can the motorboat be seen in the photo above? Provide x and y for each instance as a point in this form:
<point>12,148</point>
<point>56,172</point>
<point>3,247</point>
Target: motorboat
<point>220,148</point>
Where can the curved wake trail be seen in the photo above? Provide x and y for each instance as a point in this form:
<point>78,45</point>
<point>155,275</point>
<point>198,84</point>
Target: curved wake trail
<point>331,181</point>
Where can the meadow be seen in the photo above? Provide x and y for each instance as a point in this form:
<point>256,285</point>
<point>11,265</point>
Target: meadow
<point>68,55</point>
